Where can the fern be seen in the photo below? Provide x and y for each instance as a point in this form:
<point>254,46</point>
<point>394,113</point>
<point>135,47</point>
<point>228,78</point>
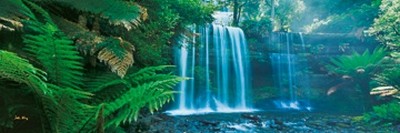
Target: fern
<point>351,64</point>
<point>389,112</point>
<point>153,95</point>
<point>115,52</point>
<point>118,54</point>
<point>54,51</point>
<point>145,88</point>
<point>20,70</point>
<point>118,12</point>
<point>68,113</point>
<point>389,77</point>
<point>14,68</point>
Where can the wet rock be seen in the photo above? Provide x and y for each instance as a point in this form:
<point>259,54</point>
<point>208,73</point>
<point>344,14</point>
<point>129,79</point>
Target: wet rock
<point>341,124</point>
<point>315,124</point>
<point>252,117</point>
<point>209,123</point>
<point>361,128</point>
<point>164,116</point>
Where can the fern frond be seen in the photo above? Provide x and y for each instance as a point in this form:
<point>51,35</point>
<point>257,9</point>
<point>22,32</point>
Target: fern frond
<point>115,52</point>
<point>68,113</point>
<point>126,97</point>
<point>349,64</point>
<point>389,77</point>
<point>118,12</point>
<point>13,9</point>
<point>118,54</point>
<point>20,70</point>
<point>149,71</point>
<point>150,94</point>
<point>55,52</point>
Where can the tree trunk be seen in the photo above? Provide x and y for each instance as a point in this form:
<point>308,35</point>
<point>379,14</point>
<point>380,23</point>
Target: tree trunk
<point>235,13</point>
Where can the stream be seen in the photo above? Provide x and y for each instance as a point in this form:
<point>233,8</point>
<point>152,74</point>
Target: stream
<point>259,122</point>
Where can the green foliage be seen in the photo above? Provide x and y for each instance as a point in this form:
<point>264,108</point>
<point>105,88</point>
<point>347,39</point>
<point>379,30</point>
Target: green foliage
<point>125,97</point>
<point>113,51</point>
<point>54,51</point>
<point>285,12</point>
<point>387,26</point>
<point>114,13</point>
<point>275,15</point>
<point>66,110</point>
<point>166,22</point>
<point>20,70</point>
<point>389,77</point>
<point>352,16</point>
<point>384,113</point>
<point>357,64</point>
<point>118,12</point>
<point>61,102</point>
<point>258,29</point>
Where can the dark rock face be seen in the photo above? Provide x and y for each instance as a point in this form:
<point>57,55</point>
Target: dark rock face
<point>265,122</point>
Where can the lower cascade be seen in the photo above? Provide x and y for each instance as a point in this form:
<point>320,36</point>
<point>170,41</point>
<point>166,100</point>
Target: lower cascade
<point>219,70</point>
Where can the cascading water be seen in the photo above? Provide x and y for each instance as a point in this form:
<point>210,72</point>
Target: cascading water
<point>221,72</point>
<point>289,72</point>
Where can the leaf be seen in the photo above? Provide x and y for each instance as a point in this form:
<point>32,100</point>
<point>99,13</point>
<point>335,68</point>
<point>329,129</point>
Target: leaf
<point>55,52</point>
<point>20,70</point>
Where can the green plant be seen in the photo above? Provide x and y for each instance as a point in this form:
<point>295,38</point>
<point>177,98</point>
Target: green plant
<point>357,70</point>
<point>61,102</point>
<point>386,26</point>
<point>64,110</point>
<point>389,77</point>
<point>384,113</point>
<point>145,88</point>
<point>357,64</point>
<point>20,70</point>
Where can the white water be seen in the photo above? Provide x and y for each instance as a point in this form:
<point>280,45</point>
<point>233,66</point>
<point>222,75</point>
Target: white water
<point>288,73</point>
<point>182,63</point>
<point>224,54</point>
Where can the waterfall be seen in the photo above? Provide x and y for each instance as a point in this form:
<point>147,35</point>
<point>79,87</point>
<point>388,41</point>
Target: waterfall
<point>220,75</point>
<point>289,71</point>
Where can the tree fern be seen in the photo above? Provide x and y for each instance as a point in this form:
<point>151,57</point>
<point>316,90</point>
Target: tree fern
<point>54,50</point>
<point>349,64</point>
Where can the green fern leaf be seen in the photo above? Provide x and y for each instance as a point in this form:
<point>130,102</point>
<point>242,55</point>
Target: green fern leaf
<point>349,64</point>
<point>145,88</point>
<point>118,12</point>
<point>113,51</point>
<point>17,69</point>
<point>55,52</point>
